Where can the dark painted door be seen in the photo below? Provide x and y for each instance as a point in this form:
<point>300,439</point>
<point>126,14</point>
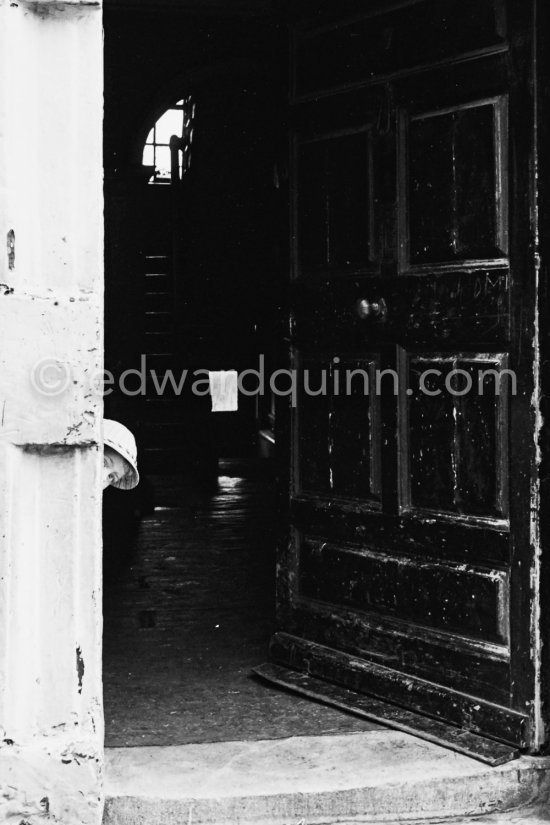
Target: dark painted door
<point>408,569</point>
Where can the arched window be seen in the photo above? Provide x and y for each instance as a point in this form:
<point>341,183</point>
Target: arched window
<point>172,133</point>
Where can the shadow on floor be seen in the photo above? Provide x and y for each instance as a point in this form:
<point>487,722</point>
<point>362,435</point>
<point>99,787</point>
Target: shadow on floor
<point>189,610</point>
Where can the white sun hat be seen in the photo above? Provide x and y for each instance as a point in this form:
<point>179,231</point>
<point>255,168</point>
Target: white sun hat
<point>119,438</point>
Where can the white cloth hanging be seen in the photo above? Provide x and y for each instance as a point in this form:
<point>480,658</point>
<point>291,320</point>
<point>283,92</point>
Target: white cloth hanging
<point>224,390</point>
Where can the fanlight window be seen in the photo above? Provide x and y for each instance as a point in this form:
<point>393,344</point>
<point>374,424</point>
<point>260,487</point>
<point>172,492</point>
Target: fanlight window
<point>171,136</point>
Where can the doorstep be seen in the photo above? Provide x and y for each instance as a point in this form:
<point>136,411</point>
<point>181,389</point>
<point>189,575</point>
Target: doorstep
<point>380,775</point>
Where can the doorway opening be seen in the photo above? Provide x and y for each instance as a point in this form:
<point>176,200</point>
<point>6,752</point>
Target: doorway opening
<point>195,273</point>
<point>397,574</point>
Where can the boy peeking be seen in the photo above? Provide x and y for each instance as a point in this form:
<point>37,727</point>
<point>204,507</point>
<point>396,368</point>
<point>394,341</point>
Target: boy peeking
<point>119,456</point>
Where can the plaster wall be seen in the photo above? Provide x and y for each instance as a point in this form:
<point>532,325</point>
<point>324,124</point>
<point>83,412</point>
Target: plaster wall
<point>51,351</point>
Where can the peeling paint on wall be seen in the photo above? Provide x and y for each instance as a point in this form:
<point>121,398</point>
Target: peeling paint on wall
<point>79,668</point>
<point>10,243</point>
<point>54,8</point>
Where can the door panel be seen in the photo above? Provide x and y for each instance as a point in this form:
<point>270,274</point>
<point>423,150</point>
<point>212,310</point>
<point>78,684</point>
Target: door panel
<point>359,578</point>
<point>339,429</point>
<point>348,52</point>
<point>406,571</point>
<point>335,201</point>
<point>455,162</point>
<point>454,431</point>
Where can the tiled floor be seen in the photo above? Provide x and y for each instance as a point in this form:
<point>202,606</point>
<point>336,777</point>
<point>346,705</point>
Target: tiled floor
<point>189,609</point>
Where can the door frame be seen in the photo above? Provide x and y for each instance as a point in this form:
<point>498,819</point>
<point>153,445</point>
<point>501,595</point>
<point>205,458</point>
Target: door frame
<point>51,316</point>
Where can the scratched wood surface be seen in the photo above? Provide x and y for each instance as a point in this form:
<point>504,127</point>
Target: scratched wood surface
<point>189,609</point>
<point>410,542</point>
<point>404,37</point>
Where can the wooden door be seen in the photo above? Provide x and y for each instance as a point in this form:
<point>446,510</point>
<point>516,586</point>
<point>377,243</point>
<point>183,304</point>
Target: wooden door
<point>408,571</point>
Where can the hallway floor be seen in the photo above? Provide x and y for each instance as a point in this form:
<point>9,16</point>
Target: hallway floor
<point>188,611</point>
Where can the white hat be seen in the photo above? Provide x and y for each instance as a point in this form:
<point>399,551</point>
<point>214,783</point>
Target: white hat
<point>119,438</point>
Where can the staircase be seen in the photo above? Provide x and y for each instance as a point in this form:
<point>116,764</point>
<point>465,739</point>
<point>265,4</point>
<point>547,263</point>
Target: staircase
<point>175,426</point>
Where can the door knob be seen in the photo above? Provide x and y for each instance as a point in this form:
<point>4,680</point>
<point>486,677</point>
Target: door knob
<point>375,310</point>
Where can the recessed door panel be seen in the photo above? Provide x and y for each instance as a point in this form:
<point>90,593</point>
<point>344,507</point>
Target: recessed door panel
<point>454,433</point>
<point>448,597</point>
<point>454,170</point>
<point>335,201</point>
<point>338,428</point>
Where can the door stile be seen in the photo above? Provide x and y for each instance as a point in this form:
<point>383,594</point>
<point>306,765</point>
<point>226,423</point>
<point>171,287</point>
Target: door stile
<point>525,359</point>
<point>542,99</point>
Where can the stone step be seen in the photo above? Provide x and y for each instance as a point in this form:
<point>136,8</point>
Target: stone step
<point>538,815</point>
<point>375,776</point>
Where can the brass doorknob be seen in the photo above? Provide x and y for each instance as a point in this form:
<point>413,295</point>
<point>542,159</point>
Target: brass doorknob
<point>375,310</point>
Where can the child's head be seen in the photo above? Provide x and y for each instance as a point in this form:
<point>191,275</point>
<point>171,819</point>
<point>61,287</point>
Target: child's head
<point>119,456</point>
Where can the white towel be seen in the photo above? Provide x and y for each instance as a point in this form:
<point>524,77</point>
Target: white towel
<point>224,390</point>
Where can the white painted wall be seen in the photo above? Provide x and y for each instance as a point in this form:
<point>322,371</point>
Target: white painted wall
<point>51,722</point>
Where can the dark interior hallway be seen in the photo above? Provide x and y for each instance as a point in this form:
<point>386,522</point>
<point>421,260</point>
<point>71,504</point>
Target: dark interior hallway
<point>189,609</point>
